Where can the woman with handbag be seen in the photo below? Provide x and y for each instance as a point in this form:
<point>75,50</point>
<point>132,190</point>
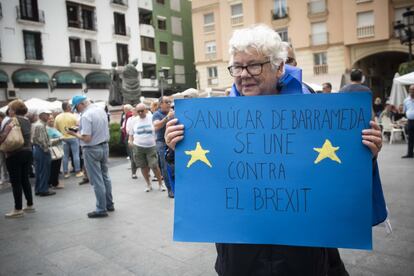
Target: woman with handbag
<point>15,142</point>
<point>56,152</point>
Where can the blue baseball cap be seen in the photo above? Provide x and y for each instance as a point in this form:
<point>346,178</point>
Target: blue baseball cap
<point>77,100</point>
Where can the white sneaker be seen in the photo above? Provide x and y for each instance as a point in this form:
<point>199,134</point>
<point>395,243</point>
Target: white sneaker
<point>162,188</point>
<point>14,214</point>
<point>29,209</point>
<point>148,188</point>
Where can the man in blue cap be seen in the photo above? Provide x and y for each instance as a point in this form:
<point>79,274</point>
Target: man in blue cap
<point>93,134</point>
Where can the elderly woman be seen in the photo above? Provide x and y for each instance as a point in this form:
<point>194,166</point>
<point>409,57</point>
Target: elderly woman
<point>257,66</point>
<point>19,160</point>
<point>54,135</point>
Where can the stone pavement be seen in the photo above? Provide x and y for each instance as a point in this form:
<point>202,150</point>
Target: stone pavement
<point>137,238</point>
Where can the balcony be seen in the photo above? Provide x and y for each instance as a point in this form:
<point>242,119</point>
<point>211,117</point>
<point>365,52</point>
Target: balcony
<point>81,26</point>
<point>95,59</point>
<point>280,13</point>
<point>120,3</point>
<point>212,81</point>
<point>211,56</point>
<point>145,4</point>
<point>146,30</point>
<point>317,9</point>
<point>36,19</point>
<point>149,57</point>
<point>320,69</point>
<point>209,28</point>
<point>366,31</point>
<point>126,32</point>
<point>237,20</point>
<point>319,39</point>
<point>149,83</point>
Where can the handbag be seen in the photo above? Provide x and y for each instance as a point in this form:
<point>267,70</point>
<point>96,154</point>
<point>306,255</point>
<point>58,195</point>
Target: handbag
<point>14,139</point>
<point>56,152</point>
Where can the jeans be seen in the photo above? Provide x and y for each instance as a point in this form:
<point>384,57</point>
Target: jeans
<point>71,144</point>
<point>18,166</point>
<point>42,162</point>
<point>96,164</point>
<point>161,155</point>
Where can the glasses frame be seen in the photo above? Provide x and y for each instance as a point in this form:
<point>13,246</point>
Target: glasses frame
<point>230,68</point>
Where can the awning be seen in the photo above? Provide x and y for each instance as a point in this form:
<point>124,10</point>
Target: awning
<point>68,77</point>
<point>98,78</point>
<point>29,76</point>
<point>3,76</point>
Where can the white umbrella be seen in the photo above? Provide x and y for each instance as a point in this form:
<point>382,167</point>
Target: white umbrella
<point>398,91</point>
<point>406,79</point>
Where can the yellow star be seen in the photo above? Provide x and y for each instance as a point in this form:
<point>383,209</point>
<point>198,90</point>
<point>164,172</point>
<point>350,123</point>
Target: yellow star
<point>198,154</point>
<point>327,151</point>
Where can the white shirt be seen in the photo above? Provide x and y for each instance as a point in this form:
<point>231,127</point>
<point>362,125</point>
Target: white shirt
<point>142,130</point>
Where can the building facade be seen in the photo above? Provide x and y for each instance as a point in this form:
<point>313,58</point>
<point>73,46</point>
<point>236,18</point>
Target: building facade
<point>60,48</point>
<point>329,37</point>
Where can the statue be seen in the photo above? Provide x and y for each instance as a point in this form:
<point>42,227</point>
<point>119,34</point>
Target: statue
<point>115,96</point>
<point>131,91</point>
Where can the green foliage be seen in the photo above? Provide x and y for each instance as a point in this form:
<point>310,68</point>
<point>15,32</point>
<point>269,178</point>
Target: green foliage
<point>116,148</point>
<point>406,67</point>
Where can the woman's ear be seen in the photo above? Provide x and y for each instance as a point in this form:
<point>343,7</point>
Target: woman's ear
<point>280,70</point>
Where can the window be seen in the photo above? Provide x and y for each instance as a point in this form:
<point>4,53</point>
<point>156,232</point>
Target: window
<point>148,71</point>
<point>162,23</point>
<point>81,16</point>
<point>280,9</point>
<point>283,33</point>
<point>163,48</point>
<point>75,51</point>
<point>319,34</point>
<point>175,5</point>
<point>176,26</point>
<point>88,51</point>
<point>32,45</point>
<point>178,50</point>
<point>208,22</point>
<point>147,44</point>
<point>119,21</point>
<point>236,14</point>
<point>320,65</point>
<point>29,10</point>
<point>161,2</point>
<point>145,17</point>
<point>212,75</point>
<point>365,24</point>
<point>122,54</point>
<point>316,6</point>
<point>179,73</point>
<point>210,47</point>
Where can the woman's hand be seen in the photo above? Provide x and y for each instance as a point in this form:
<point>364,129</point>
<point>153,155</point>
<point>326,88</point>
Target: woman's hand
<point>173,133</point>
<point>372,138</point>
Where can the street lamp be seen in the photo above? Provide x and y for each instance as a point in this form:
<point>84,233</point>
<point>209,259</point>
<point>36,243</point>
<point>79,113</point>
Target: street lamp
<point>405,29</point>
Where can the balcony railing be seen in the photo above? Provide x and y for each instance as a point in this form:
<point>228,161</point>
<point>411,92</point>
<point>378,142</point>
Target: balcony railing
<point>210,56</point>
<point>365,31</point>
<point>212,81</point>
<point>320,69</point>
<point>316,7</point>
<point>96,59</point>
<point>237,20</point>
<point>362,1</point>
<point>208,28</point>
<point>120,2</point>
<point>122,32</point>
<point>78,24</point>
<point>39,17</point>
<point>319,39</point>
<point>280,13</point>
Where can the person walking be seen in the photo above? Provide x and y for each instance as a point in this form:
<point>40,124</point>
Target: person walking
<point>142,141</point>
<point>94,136</point>
<point>41,153</point>
<point>409,112</point>
<point>160,119</point>
<point>64,121</point>
<point>19,160</point>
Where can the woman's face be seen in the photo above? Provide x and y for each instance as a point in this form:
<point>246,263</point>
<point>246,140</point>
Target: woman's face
<point>50,121</point>
<point>262,84</point>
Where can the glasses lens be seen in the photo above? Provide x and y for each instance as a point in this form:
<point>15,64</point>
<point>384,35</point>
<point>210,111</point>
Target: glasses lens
<point>235,71</point>
<point>254,69</point>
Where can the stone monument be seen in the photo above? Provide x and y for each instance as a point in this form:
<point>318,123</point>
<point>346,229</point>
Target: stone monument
<point>131,91</point>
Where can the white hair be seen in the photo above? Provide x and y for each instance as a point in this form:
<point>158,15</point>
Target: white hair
<point>260,38</point>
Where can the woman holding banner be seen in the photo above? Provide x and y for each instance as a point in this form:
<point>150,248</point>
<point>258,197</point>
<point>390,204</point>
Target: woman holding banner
<point>257,58</point>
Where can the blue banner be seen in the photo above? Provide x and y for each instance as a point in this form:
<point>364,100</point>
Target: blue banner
<point>288,170</point>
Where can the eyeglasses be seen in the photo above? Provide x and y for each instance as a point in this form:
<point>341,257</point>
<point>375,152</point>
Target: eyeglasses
<point>253,69</point>
<point>167,102</point>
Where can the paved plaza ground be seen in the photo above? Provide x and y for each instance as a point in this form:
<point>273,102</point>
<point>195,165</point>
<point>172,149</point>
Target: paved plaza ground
<point>137,238</point>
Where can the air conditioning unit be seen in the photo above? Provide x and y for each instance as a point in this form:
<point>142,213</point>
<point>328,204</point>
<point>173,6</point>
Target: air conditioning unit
<point>12,94</point>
